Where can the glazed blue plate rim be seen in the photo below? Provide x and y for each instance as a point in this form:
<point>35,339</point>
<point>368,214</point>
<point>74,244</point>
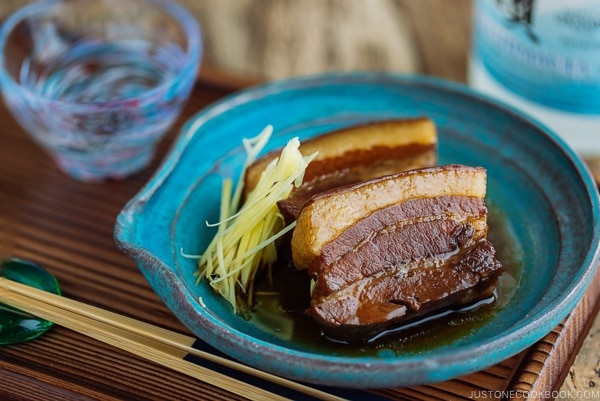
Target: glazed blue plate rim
<point>342,371</point>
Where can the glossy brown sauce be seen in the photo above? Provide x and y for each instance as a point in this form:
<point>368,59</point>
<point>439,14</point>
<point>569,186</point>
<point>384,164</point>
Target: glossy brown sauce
<point>281,302</point>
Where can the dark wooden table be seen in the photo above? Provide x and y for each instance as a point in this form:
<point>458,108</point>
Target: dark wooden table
<point>67,226</point>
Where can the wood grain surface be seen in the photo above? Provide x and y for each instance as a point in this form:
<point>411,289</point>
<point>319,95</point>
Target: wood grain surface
<point>67,226</point>
<point>270,39</point>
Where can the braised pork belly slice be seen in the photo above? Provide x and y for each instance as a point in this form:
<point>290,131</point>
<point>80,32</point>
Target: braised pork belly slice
<point>354,154</point>
<point>394,249</point>
<point>401,294</point>
<point>327,215</point>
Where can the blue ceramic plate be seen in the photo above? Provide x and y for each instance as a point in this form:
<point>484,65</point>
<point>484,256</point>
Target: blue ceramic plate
<point>548,201</point>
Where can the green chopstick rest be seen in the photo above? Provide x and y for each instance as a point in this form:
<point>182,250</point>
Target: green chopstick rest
<point>17,326</point>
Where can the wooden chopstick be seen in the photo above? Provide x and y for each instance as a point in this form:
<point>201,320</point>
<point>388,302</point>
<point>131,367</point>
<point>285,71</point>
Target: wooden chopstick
<point>154,343</point>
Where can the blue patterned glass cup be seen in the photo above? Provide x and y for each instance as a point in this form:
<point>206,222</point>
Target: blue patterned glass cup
<point>98,84</point>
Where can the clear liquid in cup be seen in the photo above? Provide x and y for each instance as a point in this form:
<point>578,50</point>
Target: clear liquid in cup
<point>104,106</point>
<point>92,73</point>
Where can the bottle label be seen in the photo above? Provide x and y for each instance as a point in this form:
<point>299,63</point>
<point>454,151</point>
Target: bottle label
<point>547,51</point>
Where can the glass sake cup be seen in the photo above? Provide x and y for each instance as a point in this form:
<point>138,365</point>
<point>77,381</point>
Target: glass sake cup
<point>98,84</point>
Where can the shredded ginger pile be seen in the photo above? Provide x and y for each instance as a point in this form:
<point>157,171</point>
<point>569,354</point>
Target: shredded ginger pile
<point>245,241</point>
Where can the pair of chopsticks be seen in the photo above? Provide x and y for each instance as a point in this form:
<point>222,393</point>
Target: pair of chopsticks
<point>156,344</point>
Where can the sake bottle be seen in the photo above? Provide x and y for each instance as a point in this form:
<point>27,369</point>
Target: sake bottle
<point>542,57</point>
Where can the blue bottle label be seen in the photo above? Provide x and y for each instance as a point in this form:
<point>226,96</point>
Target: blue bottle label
<point>547,51</point>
